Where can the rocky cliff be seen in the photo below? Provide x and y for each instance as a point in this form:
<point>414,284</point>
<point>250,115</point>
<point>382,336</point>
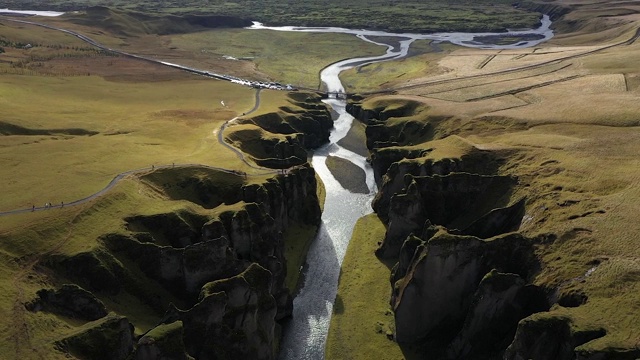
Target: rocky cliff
<point>224,268</point>
<point>463,285</point>
<point>280,139</point>
<point>434,294</point>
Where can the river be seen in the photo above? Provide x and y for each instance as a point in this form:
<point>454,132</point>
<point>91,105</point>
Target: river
<point>305,335</point>
<point>31,12</point>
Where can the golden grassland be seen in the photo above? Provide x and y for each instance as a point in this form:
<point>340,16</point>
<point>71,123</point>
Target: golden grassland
<point>286,57</point>
<point>571,130</point>
<point>64,231</point>
<point>422,60</point>
<point>135,125</point>
<point>572,133</point>
<point>75,117</point>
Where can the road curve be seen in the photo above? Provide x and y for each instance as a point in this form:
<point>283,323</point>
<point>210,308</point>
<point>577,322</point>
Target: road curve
<point>224,126</point>
<point>257,85</point>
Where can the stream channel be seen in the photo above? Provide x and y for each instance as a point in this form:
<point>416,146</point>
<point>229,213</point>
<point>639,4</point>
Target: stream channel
<point>305,335</point>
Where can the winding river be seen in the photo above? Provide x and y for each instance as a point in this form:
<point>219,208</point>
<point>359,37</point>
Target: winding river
<point>305,335</point>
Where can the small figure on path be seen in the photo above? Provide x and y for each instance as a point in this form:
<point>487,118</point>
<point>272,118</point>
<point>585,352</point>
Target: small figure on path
<point>33,208</point>
<point>152,167</point>
<point>61,204</point>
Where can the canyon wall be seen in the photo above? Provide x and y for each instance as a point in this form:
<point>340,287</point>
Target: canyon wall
<point>463,285</point>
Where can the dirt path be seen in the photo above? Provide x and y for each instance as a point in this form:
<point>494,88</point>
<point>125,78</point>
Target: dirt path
<point>224,126</point>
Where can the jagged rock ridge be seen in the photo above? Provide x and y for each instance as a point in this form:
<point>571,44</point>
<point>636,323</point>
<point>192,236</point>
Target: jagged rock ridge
<point>226,269</point>
<point>462,283</point>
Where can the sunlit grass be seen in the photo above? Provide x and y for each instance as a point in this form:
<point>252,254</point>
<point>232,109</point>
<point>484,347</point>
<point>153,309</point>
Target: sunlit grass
<point>362,321</point>
<point>138,125</point>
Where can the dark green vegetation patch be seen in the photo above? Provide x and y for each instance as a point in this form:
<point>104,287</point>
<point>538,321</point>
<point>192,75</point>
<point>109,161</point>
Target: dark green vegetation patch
<point>398,16</point>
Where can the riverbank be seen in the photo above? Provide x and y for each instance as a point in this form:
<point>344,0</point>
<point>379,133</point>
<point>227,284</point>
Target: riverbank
<point>362,323</point>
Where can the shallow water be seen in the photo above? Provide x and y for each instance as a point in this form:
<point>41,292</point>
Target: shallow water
<point>31,12</point>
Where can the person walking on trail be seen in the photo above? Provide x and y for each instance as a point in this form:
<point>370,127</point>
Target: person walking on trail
<point>61,204</point>
<point>33,208</point>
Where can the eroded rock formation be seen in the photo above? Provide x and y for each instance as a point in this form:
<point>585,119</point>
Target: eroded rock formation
<point>462,281</point>
<point>434,291</point>
<point>226,266</point>
<point>466,284</point>
<point>110,338</point>
<point>240,307</point>
<point>69,300</point>
<point>500,301</point>
<point>454,200</point>
<point>280,139</point>
<point>546,336</point>
<point>165,341</point>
